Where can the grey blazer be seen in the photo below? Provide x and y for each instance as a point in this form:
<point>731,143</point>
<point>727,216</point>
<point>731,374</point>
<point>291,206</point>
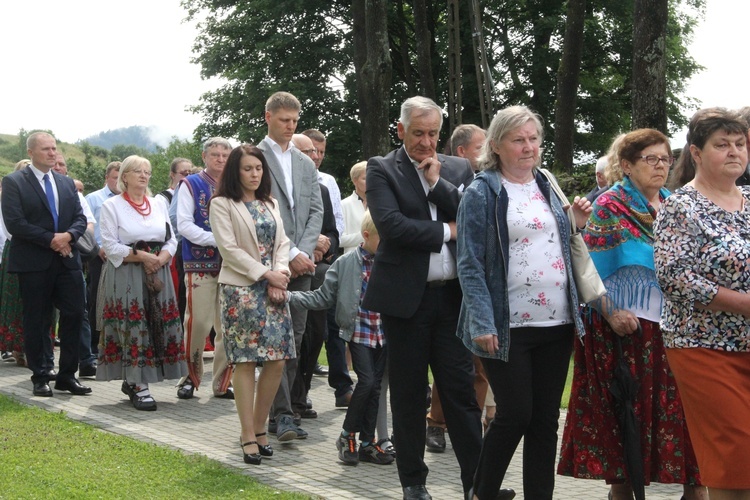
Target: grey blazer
<point>302,225</point>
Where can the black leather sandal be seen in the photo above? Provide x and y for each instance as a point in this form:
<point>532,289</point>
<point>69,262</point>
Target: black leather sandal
<point>250,458</point>
<point>266,450</point>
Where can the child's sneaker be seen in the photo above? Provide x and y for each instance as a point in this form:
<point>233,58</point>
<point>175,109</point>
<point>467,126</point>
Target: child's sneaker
<point>347,447</point>
<point>374,454</point>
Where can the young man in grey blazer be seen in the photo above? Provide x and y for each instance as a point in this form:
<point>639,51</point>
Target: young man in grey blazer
<point>294,183</point>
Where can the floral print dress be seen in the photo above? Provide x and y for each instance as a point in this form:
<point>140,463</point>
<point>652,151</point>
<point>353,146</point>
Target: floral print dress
<point>255,329</point>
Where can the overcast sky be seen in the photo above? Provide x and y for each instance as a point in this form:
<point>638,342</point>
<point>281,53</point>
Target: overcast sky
<point>85,66</point>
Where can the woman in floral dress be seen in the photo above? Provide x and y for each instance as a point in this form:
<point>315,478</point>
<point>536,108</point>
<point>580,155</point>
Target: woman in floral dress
<point>254,274</point>
<point>702,257</point>
<point>620,239</point>
<point>141,340</point>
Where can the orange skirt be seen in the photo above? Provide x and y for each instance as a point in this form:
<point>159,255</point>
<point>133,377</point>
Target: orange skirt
<point>715,390</point>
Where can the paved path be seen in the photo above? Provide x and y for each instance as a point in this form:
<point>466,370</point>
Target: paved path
<point>310,466</point>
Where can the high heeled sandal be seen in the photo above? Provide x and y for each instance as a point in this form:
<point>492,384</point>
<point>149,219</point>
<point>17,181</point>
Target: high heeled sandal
<point>250,458</point>
<point>266,450</point>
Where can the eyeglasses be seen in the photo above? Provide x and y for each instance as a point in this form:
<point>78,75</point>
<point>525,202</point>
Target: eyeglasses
<point>147,173</point>
<point>654,160</point>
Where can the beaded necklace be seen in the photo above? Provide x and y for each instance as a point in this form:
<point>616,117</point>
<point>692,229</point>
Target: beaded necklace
<point>144,208</point>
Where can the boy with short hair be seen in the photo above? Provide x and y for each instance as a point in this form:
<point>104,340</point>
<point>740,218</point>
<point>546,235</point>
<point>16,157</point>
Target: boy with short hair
<point>344,286</point>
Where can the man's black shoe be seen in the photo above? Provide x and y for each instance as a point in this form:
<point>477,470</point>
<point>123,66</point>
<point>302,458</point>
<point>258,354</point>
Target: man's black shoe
<point>87,371</point>
<point>42,389</point>
<point>418,492</point>
<point>320,370</point>
<point>72,386</point>
<point>435,439</point>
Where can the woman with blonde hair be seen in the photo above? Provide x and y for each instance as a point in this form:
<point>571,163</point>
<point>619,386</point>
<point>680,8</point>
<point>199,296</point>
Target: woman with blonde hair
<point>141,340</point>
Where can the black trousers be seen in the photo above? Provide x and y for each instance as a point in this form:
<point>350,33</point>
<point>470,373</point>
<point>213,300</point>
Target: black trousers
<point>95,272</point>
<point>429,339</point>
<point>42,291</point>
<point>527,388</point>
<point>362,413</point>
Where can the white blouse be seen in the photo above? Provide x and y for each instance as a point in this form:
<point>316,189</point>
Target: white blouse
<point>121,226</point>
<point>537,281</point>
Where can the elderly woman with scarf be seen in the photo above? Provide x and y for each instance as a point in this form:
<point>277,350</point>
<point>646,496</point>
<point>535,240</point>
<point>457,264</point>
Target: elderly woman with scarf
<point>620,239</point>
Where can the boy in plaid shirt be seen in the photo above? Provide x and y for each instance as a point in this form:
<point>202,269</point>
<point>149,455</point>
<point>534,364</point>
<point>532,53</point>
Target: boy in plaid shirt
<point>344,286</point>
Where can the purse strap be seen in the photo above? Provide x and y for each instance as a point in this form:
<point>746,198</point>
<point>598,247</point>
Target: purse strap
<point>555,186</point>
<point>563,199</point>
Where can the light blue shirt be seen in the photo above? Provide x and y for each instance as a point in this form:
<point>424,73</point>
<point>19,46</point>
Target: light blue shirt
<point>95,201</point>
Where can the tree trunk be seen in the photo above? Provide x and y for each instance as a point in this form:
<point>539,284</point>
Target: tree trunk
<point>423,38</point>
<point>372,61</point>
<point>649,64</point>
<point>567,85</point>
<point>454,67</point>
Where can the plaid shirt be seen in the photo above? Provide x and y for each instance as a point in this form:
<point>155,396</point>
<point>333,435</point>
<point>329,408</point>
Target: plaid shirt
<point>367,330</point>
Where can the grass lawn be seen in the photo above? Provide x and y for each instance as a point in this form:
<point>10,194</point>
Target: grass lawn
<point>47,455</point>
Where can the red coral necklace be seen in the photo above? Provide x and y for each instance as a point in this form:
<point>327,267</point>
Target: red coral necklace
<point>144,208</point>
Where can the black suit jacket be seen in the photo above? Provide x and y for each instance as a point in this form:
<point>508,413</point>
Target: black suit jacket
<point>398,205</point>
<point>329,225</point>
<point>28,219</point>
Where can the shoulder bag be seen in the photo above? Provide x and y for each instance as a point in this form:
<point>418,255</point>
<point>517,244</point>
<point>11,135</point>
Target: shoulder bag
<point>588,282</point>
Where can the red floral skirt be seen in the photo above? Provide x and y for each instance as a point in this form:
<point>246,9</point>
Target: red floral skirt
<point>592,446</point>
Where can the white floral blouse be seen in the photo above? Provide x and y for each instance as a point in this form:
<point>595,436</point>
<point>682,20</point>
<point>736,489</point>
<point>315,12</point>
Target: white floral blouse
<point>537,279</point>
<point>698,247</point>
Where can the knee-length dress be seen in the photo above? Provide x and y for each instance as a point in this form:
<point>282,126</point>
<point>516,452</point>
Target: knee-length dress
<point>256,329</point>
<point>141,339</point>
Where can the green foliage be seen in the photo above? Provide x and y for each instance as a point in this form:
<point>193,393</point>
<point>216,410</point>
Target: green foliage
<point>99,464</point>
<point>304,47</point>
<point>162,159</point>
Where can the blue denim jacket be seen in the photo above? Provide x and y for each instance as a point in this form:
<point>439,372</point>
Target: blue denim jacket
<point>482,247</point>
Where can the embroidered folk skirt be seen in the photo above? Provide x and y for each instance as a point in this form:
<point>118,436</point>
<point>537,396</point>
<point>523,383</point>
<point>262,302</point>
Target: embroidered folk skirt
<point>130,346</point>
<point>592,446</point>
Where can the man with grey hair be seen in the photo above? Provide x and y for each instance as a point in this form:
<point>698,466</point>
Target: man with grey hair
<point>601,181</point>
<point>202,263</point>
<point>466,142</point>
<point>294,184</point>
<point>413,195</point>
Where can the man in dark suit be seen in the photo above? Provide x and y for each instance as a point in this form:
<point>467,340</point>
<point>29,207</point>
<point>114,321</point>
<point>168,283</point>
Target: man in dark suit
<point>42,212</point>
<point>413,195</point>
<point>294,183</point>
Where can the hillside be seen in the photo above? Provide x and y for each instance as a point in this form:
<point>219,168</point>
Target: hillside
<point>11,152</point>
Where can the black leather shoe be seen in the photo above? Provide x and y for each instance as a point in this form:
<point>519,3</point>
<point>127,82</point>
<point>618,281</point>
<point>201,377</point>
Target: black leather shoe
<point>87,371</point>
<point>343,400</point>
<point>309,413</point>
<point>503,494</point>
<point>320,370</point>
<point>266,450</point>
<point>73,386</point>
<point>227,395</point>
<point>42,389</point>
<point>418,492</point>
<point>506,494</point>
<point>52,374</point>
<point>250,458</point>
<point>185,391</point>
<point>128,390</point>
<point>435,439</point>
